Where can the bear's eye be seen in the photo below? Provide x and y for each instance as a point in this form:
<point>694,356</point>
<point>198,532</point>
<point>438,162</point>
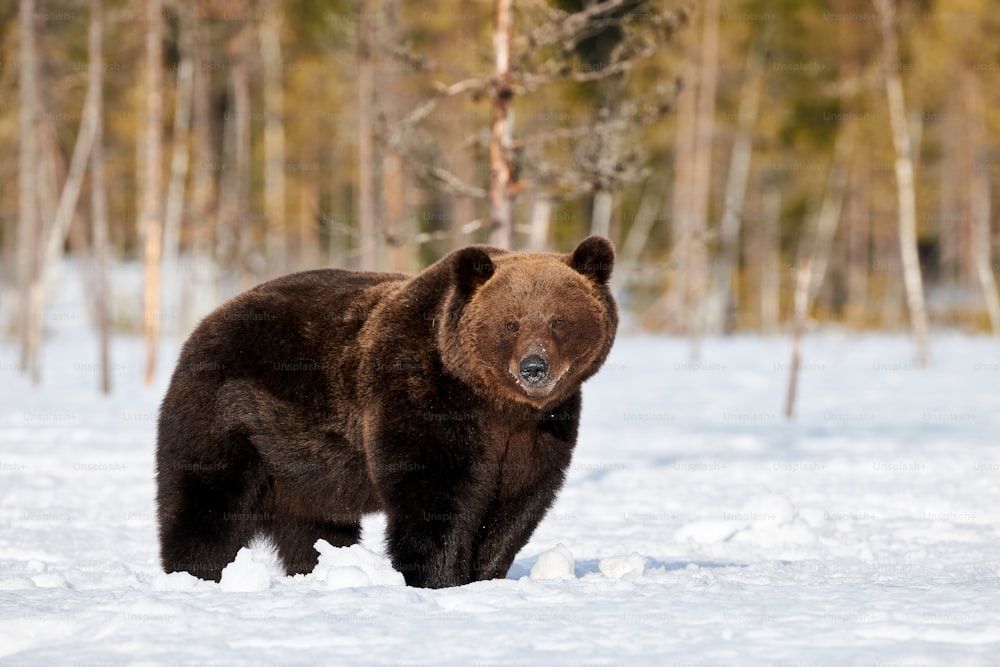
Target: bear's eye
<point>558,322</point>
<point>512,326</point>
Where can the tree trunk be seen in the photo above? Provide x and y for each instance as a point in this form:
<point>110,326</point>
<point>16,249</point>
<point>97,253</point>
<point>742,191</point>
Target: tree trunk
<point>907,203</point>
<point>233,240</point>
<point>150,208</point>
<point>886,248</point>
<point>395,210</point>
<point>463,223</point>
<point>769,261</point>
<point>812,268</point>
<point>736,187</point>
<point>56,232</point>
<point>308,255</point>
<point>276,235</point>
<point>961,212</point>
<point>201,285</point>
<point>858,238</point>
<point>829,213</point>
<point>681,231</point>
<point>99,197</point>
<point>708,76</point>
<point>803,278</point>
<point>600,217</point>
<point>979,199</point>
<point>366,140</point>
<point>642,226</point>
<point>501,232</point>
<point>541,214</point>
<point>174,212</point>
<point>949,168</point>
<point>28,217</point>
<point>242,221</point>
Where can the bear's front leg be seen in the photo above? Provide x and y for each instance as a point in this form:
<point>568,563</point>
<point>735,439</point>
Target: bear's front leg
<point>528,479</point>
<point>434,502</point>
<point>509,524</point>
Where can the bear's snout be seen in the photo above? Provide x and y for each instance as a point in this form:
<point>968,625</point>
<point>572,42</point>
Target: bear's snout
<point>533,368</point>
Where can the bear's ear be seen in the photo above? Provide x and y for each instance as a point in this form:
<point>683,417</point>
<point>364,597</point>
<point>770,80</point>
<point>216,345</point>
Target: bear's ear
<point>472,267</point>
<point>594,258</point>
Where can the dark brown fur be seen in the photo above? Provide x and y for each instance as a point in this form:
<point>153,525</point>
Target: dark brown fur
<point>303,404</point>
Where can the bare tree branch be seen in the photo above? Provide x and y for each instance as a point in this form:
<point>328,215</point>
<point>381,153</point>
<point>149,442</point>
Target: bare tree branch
<point>426,108</point>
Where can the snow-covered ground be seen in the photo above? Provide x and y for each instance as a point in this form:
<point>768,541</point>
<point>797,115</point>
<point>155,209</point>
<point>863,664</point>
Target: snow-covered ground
<point>697,526</point>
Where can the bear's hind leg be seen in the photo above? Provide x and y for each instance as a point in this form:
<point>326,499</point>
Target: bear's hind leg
<point>205,518</point>
<point>295,540</point>
<point>294,525</point>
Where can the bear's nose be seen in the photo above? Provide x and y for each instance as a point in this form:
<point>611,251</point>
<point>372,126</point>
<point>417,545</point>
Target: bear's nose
<point>533,368</point>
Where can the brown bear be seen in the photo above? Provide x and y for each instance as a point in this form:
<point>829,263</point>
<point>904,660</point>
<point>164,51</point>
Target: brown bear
<point>449,400</point>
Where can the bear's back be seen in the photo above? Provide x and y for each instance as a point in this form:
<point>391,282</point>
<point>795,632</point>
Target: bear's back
<point>284,333</point>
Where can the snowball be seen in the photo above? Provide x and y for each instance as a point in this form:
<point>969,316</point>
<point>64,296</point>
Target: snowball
<point>353,567</point>
<point>617,567</point>
<point>251,571</point>
<point>49,580</point>
<point>768,510</point>
<point>556,563</point>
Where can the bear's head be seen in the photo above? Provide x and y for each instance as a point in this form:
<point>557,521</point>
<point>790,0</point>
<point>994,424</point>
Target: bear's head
<point>528,327</point>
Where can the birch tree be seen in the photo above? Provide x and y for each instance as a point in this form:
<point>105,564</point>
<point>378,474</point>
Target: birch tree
<point>501,207</point>
<point>174,209</point>
<point>232,242</point>
<point>366,140</point>
<point>735,192</point>
<point>99,196</point>
<point>201,285</point>
<point>150,156</point>
<point>29,222</point>
<point>768,251</point>
<point>276,229</point>
<point>682,233</point>
<point>979,204</point>
<point>905,188</point>
<point>704,130</point>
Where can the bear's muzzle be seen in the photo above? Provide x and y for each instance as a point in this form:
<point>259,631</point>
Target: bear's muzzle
<point>533,369</point>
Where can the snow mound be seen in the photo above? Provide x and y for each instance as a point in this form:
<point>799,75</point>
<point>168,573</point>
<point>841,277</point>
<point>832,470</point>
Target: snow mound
<point>772,521</point>
<point>770,510</point>
<point>768,519</point>
<point>16,584</point>
<point>709,531</point>
<point>617,567</point>
<point>353,567</point>
<point>556,563</point>
<point>252,570</point>
<point>175,581</point>
<point>49,580</point>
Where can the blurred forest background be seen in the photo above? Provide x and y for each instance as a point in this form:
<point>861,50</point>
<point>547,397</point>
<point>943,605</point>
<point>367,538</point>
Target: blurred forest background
<point>756,163</point>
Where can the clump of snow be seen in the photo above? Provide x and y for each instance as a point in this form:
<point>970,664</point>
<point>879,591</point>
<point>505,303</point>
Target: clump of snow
<point>49,580</point>
<point>556,563</point>
<point>617,567</point>
<point>771,510</point>
<point>768,519</point>
<point>708,531</point>
<point>773,521</point>
<point>252,570</point>
<point>353,567</point>
<point>175,581</point>
<point>15,583</point>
